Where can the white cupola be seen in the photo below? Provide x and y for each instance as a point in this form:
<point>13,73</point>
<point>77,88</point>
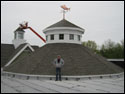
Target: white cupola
<point>18,37</point>
<point>63,32</point>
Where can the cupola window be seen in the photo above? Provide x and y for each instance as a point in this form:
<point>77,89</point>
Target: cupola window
<point>52,37</point>
<point>15,35</point>
<point>46,38</point>
<point>78,37</point>
<point>61,36</point>
<point>71,37</point>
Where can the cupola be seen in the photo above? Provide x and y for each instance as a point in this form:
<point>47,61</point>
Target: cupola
<point>18,37</point>
<point>63,32</point>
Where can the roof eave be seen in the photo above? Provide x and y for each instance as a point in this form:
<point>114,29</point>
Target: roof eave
<point>60,28</point>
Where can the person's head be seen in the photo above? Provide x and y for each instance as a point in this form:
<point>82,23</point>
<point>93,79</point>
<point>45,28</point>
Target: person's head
<point>58,56</point>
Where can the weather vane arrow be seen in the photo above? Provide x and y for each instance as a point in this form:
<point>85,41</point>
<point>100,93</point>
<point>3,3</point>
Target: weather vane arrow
<point>65,9</point>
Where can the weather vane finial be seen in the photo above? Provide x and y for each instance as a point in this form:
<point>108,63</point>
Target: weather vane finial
<point>65,9</point>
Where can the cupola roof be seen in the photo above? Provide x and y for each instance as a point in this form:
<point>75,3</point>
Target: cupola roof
<point>64,23</point>
<point>19,29</point>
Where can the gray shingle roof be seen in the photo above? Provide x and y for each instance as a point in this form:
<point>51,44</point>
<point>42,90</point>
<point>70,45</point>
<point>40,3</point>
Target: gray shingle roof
<point>19,29</point>
<point>16,51</point>
<point>6,52</point>
<point>79,60</point>
<point>64,23</point>
<point>35,47</point>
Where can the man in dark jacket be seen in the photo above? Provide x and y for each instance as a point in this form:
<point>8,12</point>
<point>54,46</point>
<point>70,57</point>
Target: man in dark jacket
<point>58,62</point>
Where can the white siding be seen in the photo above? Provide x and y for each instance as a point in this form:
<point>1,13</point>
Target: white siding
<point>18,42</point>
<point>66,36</point>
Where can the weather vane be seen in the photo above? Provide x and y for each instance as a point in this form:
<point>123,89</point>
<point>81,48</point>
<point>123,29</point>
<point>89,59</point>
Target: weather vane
<point>65,9</point>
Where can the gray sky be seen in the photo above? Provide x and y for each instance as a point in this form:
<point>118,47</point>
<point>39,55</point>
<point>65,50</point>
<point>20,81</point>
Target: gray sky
<point>101,20</point>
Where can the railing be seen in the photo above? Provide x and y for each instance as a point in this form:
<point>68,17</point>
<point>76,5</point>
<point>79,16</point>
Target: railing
<point>52,77</point>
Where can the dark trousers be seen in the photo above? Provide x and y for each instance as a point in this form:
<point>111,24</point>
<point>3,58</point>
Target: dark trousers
<point>58,73</point>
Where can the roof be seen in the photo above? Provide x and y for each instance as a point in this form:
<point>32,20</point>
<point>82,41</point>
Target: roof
<point>79,60</point>
<point>19,29</point>
<point>16,51</point>
<point>35,47</point>
<point>64,23</point>
<point>6,52</point>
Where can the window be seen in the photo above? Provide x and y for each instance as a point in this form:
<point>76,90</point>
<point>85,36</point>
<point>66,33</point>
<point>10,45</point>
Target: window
<point>61,36</point>
<point>52,37</point>
<point>20,35</point>
<point>46,38</point>
<point>15,35</point>
<point>71,37</point>
<point>78,37</point>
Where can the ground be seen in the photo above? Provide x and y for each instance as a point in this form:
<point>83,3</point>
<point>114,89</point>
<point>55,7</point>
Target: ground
<point>14,85</point>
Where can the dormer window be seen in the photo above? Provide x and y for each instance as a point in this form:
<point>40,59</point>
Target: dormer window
<point>71,36</point>
<point>52,37</point>
<point>61,36</point>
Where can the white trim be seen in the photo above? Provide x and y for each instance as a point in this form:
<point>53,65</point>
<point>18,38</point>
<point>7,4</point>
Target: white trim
<point>63,33</point>
<point>65,28</point>
<point>30,47</point>
<point>115,59</point>
<point>27,45</point>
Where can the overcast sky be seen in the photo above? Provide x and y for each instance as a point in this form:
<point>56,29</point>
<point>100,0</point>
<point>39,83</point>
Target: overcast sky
<point>101,20</point>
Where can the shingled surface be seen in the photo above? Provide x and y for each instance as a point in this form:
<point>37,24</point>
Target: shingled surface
<point>64,23</point>
<point>6,52</point>
<point>79,60</point>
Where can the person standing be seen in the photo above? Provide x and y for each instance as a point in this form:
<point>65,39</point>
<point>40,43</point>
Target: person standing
<point>58,62</point>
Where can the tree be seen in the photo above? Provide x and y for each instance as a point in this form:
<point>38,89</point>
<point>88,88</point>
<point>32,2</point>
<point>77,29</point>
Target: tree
<point>90,44</point>
<point>122,43</point>
<point>108,49</point>
<point>111,49</point>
